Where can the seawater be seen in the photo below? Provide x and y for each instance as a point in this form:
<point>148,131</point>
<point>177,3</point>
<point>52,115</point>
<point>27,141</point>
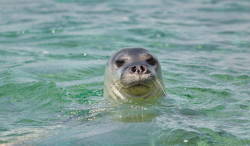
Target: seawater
<point>53,55</point>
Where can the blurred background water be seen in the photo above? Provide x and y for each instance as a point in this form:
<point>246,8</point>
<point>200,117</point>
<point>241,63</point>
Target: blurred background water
<point>52,59</point>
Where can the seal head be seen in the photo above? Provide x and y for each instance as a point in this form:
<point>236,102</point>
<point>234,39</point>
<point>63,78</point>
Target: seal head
<point>133,74</point>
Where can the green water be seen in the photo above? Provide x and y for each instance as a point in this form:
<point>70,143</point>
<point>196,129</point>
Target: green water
<point>52,59</point>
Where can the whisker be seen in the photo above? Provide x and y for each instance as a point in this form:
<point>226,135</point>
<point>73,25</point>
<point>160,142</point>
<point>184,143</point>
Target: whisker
<point>117,88</point>
<point>161,86</point>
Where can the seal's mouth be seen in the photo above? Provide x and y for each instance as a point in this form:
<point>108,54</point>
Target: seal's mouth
<point>138,89</point>
<point>137,85</point>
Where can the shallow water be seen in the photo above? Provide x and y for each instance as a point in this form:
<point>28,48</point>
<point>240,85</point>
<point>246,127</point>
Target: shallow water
<point>52,59</point>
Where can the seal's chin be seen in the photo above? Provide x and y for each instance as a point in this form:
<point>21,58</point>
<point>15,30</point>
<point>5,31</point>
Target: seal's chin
<point>138,90</point>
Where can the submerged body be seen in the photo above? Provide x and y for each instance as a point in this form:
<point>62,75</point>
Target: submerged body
<point>133,74</point>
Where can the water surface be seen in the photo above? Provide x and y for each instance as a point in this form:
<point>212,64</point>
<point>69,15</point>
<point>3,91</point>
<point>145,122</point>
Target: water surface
<point>52,59</point>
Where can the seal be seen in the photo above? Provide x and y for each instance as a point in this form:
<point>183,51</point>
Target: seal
<point>133,74</point>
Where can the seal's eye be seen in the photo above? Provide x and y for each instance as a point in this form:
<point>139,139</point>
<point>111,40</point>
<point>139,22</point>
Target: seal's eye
<point>119,63</point>
<point>151,61</point>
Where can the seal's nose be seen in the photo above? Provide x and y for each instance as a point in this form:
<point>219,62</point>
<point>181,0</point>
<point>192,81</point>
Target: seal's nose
<point>140,69</point>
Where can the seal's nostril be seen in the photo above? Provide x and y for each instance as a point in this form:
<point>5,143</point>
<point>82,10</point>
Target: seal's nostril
<point>133,69</point>
<point>142,68</point>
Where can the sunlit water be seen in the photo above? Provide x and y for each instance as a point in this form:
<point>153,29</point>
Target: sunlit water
<point>52,59</point>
